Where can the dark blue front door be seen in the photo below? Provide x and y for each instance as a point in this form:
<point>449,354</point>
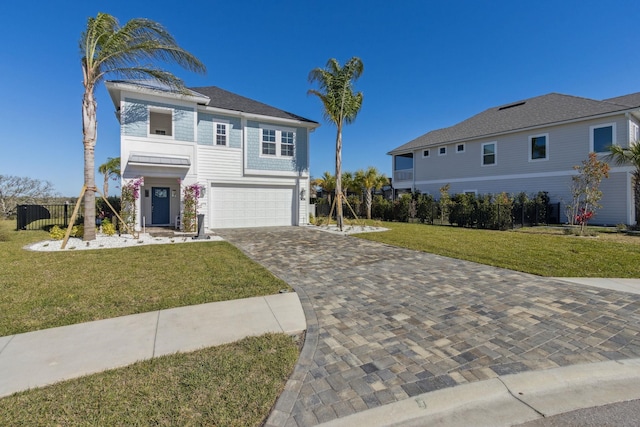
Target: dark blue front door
<point>160,205</point>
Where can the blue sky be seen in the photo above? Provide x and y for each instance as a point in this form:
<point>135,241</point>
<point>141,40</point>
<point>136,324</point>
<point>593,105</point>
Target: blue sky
<point>427,65</point>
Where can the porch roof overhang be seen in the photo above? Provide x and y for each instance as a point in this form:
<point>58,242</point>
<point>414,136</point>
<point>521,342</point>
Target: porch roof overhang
<point>163,161</point>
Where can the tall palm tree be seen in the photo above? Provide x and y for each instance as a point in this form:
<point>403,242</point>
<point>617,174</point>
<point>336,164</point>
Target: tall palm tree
<point>327,183</point>
<point>110,170</point>
<point>370,179</point>
<point>629,156</point>
<point>341,105</point>
<point>126,51</point>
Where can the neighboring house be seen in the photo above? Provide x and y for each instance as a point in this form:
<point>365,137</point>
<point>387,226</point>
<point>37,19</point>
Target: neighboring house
<point>526,146</point>
<point>251,159</point>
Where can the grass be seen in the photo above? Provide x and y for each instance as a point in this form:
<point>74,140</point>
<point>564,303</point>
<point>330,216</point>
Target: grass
<point>541,250</point>
<point>46,289</point>
<point>230,385</point>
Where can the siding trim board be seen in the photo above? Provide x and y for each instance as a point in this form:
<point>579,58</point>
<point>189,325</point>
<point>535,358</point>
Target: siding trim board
<point>515,176</point>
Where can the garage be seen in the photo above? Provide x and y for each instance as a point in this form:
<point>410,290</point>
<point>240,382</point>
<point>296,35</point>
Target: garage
<point>237,206</point>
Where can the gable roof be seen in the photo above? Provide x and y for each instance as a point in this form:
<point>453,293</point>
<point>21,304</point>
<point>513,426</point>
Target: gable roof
<point>542,110</point>
<point>224,99</point>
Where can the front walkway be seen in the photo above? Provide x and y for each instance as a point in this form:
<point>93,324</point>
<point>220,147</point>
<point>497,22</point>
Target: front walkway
<point>385,323</point>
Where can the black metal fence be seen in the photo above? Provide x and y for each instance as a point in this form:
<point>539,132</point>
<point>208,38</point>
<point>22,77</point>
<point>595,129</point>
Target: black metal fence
<point>39,217</point>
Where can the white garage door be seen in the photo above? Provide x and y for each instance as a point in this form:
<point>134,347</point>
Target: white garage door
<point>251,206</point>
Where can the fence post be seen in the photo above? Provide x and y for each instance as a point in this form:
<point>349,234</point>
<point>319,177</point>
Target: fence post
<point>66,213</point>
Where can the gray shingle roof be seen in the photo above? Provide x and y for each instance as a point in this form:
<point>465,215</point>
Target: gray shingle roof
<point>221,98</point>
<point>541,110</point>
<point>632,100</point>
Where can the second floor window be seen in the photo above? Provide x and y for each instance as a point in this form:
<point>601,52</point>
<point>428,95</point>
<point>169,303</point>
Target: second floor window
<point>488,153</point>
<point>161,122</point>
<point>286,145</point>
<point>278,142</point>
<point>538,147</point>
<point>221,134</point>
<point>269,142</point>
<point>602,137</point>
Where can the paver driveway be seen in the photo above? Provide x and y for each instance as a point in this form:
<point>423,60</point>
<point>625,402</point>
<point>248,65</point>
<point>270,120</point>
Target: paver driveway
<point>386,323</point>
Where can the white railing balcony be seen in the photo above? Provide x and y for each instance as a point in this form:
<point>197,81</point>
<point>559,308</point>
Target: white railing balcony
<point>403,175</point>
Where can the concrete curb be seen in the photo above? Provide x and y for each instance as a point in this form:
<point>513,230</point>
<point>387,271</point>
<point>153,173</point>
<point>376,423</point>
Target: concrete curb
<point>511,399</point>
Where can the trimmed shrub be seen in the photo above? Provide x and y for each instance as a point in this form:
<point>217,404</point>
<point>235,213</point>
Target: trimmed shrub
<point>56,233</point>
<point>108,228</point>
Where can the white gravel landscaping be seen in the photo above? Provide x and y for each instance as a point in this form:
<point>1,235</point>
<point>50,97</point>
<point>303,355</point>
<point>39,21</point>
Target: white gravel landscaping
<point>107,242</point>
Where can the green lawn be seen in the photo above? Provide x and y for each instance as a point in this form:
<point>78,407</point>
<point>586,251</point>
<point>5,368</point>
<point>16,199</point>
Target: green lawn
<point>541,251</point>
<point>230,385</point>
<point>45,289</point>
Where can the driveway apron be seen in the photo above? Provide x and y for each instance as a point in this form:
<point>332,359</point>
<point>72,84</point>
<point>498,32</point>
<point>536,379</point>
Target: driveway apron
<point>385,323</point>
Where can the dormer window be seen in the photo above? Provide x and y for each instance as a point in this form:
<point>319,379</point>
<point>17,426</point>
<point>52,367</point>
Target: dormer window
<point>161,122</point>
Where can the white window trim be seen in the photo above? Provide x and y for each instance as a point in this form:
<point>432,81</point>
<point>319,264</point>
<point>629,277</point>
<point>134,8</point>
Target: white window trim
<point>161,110</point>
<point>598,126</point>
<point>278,142</point>
<point>441,153</point>
<point>215,133</point>
<point>634,134</point>
<point>495,154</point>
<point>428,151</point>
<point>464,147</point>
<point>546,150</point>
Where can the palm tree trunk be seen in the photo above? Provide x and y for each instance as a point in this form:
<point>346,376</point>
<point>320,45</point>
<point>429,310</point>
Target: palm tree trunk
<point>368,202</point>
<point>89,129</point>
<point>339,218</point>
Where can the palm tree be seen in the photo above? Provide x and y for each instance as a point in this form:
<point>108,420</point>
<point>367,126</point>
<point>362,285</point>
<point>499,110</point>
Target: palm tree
<point>341,105</point>
<point>370,179</point>
<point>629,156</point>
<point>327,183</point>
<point>348,183</point>
<point>126,51</point>
<point>110,170</point>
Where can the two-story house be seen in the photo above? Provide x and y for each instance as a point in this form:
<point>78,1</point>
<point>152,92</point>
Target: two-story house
<point>251,159</point>
<point>527,146</point>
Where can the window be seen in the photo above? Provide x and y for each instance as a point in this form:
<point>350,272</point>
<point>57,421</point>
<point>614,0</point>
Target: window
<point>442,151</point>
<point>221,134</point>
<point>269,142</point>
<point>489,153</point>
<point>403,161</point>
<point>425,153</point>
<point>278,142</point>
<point>635,133</point>
<point>602,137</point>
<point>286,144</point>
<point>161,122</point>
<point>538,147</point>
<point>459,148</point>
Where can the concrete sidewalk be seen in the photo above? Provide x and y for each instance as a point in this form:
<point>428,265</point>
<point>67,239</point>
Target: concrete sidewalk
<point>40,358</point>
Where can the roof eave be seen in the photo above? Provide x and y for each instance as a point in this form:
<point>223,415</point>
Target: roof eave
<point>397,150</point>
<point>261,117</point>
<point>115,87</point>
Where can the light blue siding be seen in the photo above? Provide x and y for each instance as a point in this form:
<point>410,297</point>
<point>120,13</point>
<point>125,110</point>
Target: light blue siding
<point>254,161</point>
<point>136,116</point>
<point>205,129</point>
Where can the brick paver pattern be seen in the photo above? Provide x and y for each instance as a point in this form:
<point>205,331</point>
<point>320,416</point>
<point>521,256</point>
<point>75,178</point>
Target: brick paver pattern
<point>386,323</point>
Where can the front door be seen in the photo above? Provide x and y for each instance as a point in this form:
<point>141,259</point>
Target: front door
<point>160,205</point>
